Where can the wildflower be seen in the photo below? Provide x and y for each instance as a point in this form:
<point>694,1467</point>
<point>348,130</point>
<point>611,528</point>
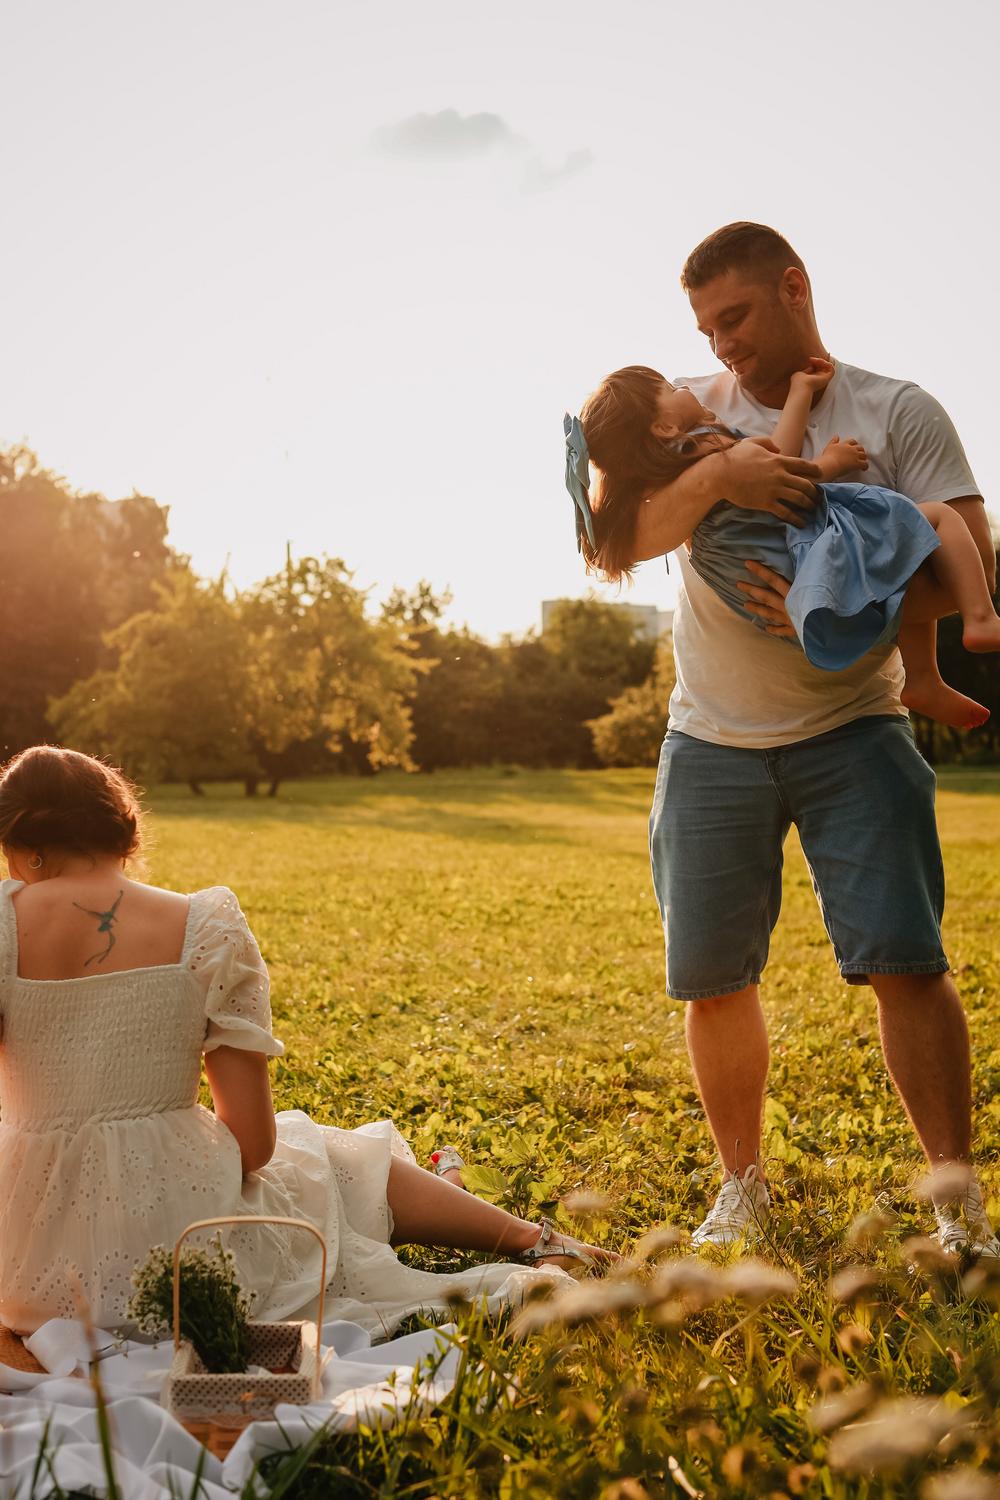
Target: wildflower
<point>924,1254</point>
<point>755,1282</point>
<point>983,1280</point>
<point>868,1228</point>
<point>690,1282</point>
<point>655,1241</point>
<point>585,1302</point>
<point>894,1434</point>
<point>800,1477</point>
<point>961,1484</point>
<point>625,1489</point>
<point>852,1283</point>
<point>584,1205</point>
<point>944,1183</point>
<point>853,1337</point>
<point>834,1411</point>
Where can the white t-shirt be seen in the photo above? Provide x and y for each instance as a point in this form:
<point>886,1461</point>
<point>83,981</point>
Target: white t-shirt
<point>735,684</point>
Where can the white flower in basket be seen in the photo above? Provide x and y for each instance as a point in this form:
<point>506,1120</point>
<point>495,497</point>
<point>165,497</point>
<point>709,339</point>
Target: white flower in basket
<point>289,1353</point>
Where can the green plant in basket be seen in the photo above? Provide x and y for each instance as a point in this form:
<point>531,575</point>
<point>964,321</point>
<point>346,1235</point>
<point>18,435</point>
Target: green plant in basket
<point>215,1310</point>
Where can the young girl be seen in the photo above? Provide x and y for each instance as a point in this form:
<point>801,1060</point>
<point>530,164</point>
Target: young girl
<point>111,992</point>
<point>862,565</point>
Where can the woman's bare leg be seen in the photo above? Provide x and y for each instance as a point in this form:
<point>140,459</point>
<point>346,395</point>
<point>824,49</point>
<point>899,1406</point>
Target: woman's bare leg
<point>426,1210</point>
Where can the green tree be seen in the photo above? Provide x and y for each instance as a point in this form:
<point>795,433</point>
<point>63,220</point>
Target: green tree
<point>631,733</point>
<point>72,567</point>
<point>178,704</point>
<point>330,686</point>
<point>600,643</point>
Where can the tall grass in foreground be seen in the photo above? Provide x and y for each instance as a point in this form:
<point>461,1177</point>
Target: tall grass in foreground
<point>478,956</point>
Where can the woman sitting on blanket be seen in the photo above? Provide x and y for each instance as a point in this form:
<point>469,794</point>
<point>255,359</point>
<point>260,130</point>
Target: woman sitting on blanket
<point>111,991</point>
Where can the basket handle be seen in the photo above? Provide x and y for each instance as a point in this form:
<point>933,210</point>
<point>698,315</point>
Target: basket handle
<point>245,1219</point>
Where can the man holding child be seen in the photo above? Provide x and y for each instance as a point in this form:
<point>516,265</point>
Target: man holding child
<point>760,739</point>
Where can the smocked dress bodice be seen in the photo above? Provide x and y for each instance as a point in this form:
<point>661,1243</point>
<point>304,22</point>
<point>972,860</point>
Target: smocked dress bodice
<point>105,1151</point>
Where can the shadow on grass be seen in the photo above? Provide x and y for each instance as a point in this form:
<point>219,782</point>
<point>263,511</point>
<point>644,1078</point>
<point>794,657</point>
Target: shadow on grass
<point>971,781</point>
<point>445,804</point>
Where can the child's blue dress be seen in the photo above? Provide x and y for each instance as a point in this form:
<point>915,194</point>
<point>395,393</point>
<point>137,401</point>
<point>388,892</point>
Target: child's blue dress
<point>849,565</point>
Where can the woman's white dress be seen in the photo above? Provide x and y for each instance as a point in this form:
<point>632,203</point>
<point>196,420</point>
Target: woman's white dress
<point>105,1152</point>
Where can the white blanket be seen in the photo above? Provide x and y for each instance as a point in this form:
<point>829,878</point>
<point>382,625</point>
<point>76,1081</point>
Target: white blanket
<point>155,1458</point>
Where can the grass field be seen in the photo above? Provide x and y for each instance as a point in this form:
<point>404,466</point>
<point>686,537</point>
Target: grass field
<point>478,956</point>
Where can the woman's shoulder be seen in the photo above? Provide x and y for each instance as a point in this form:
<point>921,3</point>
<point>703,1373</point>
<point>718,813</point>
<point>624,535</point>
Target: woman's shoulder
<point>214,906</point>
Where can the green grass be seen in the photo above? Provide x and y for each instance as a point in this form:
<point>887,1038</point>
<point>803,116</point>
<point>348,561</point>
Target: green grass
<point>478,956</point>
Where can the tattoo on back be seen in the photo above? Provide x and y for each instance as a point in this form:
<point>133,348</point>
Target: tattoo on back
<point>105,922</point>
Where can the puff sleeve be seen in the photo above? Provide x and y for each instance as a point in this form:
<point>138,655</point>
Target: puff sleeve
<point>228,963</point>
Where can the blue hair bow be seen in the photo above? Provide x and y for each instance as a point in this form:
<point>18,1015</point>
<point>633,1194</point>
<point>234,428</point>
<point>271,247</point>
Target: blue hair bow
<point>578,479</point>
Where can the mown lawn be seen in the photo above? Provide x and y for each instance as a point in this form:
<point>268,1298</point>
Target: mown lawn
<point>478,956</point>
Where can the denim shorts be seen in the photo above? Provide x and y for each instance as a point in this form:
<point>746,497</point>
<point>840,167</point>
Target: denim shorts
<point>862,799</point>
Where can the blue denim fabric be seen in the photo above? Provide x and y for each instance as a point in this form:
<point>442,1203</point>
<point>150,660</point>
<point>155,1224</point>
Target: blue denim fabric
<point>862,799</point>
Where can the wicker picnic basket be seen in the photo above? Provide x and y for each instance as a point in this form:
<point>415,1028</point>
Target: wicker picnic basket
<point>289,1352</point>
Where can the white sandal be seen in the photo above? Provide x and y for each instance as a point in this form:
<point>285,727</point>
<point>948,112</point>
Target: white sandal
<point>446,1159</point>
<point>551,1243</point>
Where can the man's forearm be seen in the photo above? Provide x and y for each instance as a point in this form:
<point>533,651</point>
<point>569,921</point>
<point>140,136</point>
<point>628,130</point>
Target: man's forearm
<point>973,513</point>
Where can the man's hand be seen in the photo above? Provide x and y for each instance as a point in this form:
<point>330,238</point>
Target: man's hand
<point>816,376</point>
<point>758,477</point>
<point>766,600</point>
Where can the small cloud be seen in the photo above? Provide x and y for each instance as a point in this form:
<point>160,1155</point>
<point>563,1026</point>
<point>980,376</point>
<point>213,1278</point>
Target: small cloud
<point>538,178</point>
<point>446,136</point>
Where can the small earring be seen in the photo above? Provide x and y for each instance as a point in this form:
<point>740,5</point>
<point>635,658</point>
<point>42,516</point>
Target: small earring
<point>35,862</point>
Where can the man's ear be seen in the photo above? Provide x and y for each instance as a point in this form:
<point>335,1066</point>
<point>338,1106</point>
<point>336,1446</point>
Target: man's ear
<point>795,288</point>
<point>663,429</point>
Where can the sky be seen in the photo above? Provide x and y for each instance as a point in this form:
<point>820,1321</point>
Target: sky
<point>329,272</point>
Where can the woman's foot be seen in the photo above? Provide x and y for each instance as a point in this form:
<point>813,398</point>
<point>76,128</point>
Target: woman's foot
<point>550,1248</point>
<point>544,1245</point>
<point>446,1163</point>
<point>932,696</point>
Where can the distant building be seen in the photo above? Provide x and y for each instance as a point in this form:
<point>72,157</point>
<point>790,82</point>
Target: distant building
<point>649,621</point>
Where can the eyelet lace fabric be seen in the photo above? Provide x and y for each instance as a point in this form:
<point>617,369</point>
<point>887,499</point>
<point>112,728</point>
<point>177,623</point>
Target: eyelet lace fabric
<point>105,1152</point>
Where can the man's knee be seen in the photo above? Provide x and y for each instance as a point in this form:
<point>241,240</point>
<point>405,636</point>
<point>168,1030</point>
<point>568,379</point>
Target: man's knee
<point>710,1007</point>
<point>912,989</point>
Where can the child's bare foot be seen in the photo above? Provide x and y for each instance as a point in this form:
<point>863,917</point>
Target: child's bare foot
<point>932,696</point>
<point>982,635</point>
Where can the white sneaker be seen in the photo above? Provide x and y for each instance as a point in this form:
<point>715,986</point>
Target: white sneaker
<point>743,1205</point>
<point>963,1227</point>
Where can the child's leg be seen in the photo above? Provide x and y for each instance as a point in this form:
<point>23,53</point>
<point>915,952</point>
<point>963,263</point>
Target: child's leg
<point>958,568</point>
<point>926,692</point>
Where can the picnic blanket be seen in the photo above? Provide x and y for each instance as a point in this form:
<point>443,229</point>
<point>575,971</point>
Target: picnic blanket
<point>155,1457</point>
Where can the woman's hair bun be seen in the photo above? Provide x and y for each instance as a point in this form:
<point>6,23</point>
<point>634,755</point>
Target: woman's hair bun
<point>52,798</point>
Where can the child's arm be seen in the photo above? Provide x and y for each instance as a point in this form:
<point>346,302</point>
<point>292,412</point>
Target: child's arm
<point>840,456</point>
<point>790,431</point>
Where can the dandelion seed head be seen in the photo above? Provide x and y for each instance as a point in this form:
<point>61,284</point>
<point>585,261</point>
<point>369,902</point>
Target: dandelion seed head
<point>755,1282</point>
<point>894,1434</point>
<point>852,1283</point>
<point>944,1183</point>
<point>961,1484</point>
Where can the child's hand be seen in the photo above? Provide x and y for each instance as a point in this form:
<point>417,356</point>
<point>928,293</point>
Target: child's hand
<point>842,456</point>
<point>816,376</point>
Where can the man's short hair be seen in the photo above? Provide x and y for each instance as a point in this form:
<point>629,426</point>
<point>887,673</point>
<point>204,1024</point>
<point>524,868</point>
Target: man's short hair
<point>754,248</point>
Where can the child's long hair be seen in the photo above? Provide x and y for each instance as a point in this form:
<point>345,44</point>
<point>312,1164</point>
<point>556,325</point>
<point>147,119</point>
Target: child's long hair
<point>631,461</point>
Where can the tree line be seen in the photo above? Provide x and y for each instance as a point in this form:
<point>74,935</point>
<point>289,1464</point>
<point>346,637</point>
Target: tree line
<point>113,643</point>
